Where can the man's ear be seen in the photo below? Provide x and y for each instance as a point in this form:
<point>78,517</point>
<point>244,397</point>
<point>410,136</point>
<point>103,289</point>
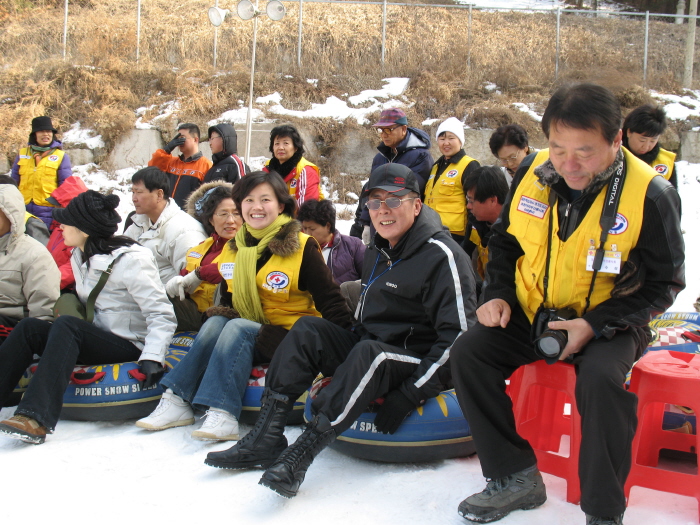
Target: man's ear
<point>417,206</point>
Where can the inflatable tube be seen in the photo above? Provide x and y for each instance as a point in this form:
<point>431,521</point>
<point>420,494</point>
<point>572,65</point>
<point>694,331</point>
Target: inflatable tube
<point>433,432</point>
<point>253,393</point>
<point>113,391</point>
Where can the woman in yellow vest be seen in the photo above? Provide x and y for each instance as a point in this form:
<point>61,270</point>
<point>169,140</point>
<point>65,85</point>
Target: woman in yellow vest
<point>212,205</point>
<point>640,134</point>
<point>302,177</point>
<point>275,274</point>
<point>445,191</point>
<point>40,168</point>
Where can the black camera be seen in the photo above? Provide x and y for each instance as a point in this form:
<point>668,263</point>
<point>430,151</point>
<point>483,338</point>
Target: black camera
<point>549,343</point>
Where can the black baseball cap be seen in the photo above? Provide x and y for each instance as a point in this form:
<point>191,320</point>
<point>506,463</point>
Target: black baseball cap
<point>394,178</point>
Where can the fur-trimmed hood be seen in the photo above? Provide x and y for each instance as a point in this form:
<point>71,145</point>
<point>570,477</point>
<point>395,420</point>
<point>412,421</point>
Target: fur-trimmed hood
<point>284,244</point>
<point>548,176</point>
<point>199,193</point>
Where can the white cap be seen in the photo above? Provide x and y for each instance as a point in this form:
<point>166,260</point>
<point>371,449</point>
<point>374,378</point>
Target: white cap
<point>452,125</point>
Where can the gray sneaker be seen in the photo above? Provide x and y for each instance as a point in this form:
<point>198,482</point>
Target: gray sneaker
<point>522,490</point>
<point>597,520</point>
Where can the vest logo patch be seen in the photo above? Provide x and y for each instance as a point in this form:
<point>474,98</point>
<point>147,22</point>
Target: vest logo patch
<point>620,226</point>
<point>277,280</point>
<point>195,255</point>
<point>293,183</point>
<point>661,169</point>
<point>532,206</point>
<point>53,158</point>
<point>226,270</point>
<point>452,173</point>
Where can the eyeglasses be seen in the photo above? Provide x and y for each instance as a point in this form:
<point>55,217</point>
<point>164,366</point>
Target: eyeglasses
<point>391,202</point>
<point>509,159</point>
<point>386,131</point>
<point>225,215</point>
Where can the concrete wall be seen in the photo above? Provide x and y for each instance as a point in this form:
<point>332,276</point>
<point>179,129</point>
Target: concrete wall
<point>690,146</point>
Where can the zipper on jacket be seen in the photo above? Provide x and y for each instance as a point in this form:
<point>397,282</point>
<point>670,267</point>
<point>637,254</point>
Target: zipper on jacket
<point>405,341</point>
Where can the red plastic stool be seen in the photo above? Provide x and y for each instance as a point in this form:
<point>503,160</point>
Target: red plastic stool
<point>540,394</point>
<point>658,378</point>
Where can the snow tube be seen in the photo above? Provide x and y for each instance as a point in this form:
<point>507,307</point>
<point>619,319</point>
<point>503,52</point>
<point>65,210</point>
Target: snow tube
<point>433,432</point>
<point>114,391</point>
<point>253,393</point>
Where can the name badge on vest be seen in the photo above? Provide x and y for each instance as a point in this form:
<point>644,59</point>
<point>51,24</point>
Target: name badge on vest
<point>226,270</point>
<point>611,261</point>
<point>532,206</point>
<point>195,255</point>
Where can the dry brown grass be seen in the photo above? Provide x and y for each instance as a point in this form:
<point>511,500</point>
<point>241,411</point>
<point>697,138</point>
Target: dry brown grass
<point>101,84</point>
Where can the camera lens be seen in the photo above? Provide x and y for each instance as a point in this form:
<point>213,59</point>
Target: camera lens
<point>549,346</point>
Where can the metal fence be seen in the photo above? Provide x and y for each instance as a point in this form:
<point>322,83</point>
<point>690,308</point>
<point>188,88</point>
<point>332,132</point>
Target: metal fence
<point>639,41</point>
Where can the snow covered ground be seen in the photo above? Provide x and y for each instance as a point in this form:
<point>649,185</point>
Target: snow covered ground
<point>114,472</point>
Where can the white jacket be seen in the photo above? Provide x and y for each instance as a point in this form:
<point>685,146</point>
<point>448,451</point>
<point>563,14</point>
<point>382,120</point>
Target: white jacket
<point>133,304</point>
<point>169,238</point>
<point>29,277</point>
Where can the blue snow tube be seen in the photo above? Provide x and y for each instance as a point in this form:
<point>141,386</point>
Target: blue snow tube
<point>433,432</point>
<point>113,391</point>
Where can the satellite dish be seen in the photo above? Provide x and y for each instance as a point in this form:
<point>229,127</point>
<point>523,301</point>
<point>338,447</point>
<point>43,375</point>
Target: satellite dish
<point>217,15</point>
<point>246,9</point>
<point>275,10</point>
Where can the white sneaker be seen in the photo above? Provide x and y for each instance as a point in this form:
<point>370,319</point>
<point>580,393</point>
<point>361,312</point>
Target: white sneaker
<point>219,425</point>
<point>172,411</point>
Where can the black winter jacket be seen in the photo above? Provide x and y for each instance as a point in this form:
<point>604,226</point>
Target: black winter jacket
<point>227,165</point>
<point>418,296</point>
<point>657,261</point>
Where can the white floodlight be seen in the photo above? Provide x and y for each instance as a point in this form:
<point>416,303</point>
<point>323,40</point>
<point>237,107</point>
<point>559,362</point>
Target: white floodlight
<point>275,10</point>
<point>246,10</point>
<point>218,15</point>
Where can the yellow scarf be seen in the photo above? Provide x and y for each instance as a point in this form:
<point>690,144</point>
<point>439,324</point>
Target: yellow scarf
<point>246,299</point>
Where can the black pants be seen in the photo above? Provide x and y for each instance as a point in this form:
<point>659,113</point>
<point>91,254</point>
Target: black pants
<point>61,345</point>
<point>483,358</point>
<point>362,370</point>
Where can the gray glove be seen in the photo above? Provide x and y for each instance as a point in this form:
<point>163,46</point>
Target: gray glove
<point>366,235</point>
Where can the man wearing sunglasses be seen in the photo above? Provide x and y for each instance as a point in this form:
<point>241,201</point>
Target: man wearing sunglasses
<point>400,144</point>
<point>417,297</point>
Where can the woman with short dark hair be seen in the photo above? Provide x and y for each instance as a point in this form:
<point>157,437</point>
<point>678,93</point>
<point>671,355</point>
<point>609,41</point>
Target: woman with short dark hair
<point>275,275</point>
<point>301,176</point>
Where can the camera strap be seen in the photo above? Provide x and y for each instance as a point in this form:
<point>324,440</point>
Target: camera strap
<point>607,221</point>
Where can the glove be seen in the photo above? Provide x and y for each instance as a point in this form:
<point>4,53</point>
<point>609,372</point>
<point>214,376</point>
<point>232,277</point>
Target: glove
<point>366,235</point>
<point>177,141</point>
<point>153,372</point>
<point>223,311</point>
<point>180,286</point>
<point>392,413</point>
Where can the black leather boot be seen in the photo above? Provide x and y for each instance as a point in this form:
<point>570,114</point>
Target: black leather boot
<point>288,472</point>
<point>261,446</point>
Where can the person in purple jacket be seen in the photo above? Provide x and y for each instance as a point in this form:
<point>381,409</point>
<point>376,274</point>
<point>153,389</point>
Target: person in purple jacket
<point>343,254</point>
<point>40,168</point>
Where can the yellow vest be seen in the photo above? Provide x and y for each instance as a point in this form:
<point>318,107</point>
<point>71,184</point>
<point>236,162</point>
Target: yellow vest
<point>203,296</point>
<point>292,183</point>
<point>569,281</point>
<point>663,163</point>
<point>447,197</point>
<point>482,257</point>
<point>38,182</point>
<point>278,285</point>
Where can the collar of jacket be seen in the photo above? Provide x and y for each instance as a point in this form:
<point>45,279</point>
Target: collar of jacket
<point>548,176</point>
<point>285,242</point>
<point>194,157</point>
<point>442,163</point>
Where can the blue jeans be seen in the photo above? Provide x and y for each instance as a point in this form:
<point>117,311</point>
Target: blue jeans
<point>215,371</point>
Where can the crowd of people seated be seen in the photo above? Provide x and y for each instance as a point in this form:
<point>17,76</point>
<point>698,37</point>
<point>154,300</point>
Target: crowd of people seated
<point>450,274</point>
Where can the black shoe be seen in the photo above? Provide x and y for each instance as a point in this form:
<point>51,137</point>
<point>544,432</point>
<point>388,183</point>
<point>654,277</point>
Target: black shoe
<point>597,520</point>
<point>261,446</point>
<point>523,490</point>
<point>287,474</point>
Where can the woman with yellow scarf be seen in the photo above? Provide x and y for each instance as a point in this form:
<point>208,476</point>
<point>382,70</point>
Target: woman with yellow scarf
<point>275,274</point>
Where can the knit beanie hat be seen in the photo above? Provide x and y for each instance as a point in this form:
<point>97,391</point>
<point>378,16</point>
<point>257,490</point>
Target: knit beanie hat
<point>92,213</point>
<point>452,125</point>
